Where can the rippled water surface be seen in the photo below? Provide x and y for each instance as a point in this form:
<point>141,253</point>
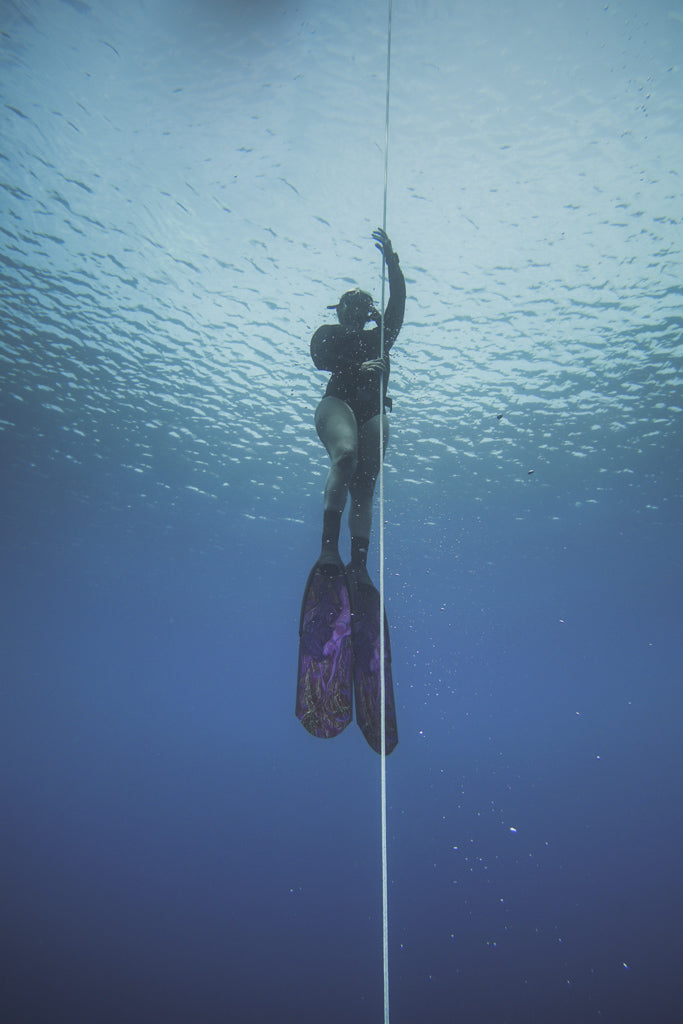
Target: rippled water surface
<point>186,189</point>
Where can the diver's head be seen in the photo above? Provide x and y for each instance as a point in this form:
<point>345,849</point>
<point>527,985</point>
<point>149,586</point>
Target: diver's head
<point>354,308</point>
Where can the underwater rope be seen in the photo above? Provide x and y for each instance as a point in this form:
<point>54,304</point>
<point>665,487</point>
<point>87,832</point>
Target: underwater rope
<point>382,639</point>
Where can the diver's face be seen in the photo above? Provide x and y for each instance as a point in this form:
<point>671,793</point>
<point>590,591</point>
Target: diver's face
<point>353,318</point>
<point>354,310</point>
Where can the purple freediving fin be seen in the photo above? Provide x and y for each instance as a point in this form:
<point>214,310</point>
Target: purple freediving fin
<point>325,677</point>
<point>366,666</point>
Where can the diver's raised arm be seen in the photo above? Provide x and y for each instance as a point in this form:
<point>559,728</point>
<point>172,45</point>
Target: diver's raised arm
<point>393,314</point>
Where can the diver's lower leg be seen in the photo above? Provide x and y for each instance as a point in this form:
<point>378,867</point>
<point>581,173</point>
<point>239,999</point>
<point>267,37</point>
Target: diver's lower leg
<point>336,493</point>
<point>360,511</point>
<point>359,551</point>
<point>357,568</point>
<point>329,552</point>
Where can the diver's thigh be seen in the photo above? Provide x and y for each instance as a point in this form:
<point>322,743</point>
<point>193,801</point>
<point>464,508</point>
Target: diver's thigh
<point>336,425</point>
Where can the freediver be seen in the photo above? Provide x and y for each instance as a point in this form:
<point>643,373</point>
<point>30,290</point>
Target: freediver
<point>348,419</point>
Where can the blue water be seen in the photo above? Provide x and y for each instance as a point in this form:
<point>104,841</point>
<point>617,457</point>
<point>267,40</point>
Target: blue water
<point>185,188</point>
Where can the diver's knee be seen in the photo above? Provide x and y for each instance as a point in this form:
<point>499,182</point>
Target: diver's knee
<point>345,461</point>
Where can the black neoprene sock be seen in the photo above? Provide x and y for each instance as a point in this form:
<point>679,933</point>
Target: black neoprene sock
<point>359,551</point>
<point>331,527</point>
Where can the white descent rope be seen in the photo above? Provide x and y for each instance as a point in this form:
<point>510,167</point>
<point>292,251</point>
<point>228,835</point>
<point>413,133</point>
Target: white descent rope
<point>382,639</point>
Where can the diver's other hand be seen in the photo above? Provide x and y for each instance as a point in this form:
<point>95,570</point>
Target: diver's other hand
<point>375,316</point>
<point>383,243</point>
<point>376,366</point>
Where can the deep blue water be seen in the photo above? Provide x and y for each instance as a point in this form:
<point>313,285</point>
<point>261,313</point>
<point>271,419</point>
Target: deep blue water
<point>184,194</point>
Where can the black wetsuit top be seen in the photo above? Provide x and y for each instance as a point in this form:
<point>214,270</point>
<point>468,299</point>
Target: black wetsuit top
<point>341,350</point>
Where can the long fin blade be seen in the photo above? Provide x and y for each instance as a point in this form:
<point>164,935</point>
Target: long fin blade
<point>325,673</point>
<point>366,670</point>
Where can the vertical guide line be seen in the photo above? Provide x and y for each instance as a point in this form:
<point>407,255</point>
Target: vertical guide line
<point>382,639</point>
